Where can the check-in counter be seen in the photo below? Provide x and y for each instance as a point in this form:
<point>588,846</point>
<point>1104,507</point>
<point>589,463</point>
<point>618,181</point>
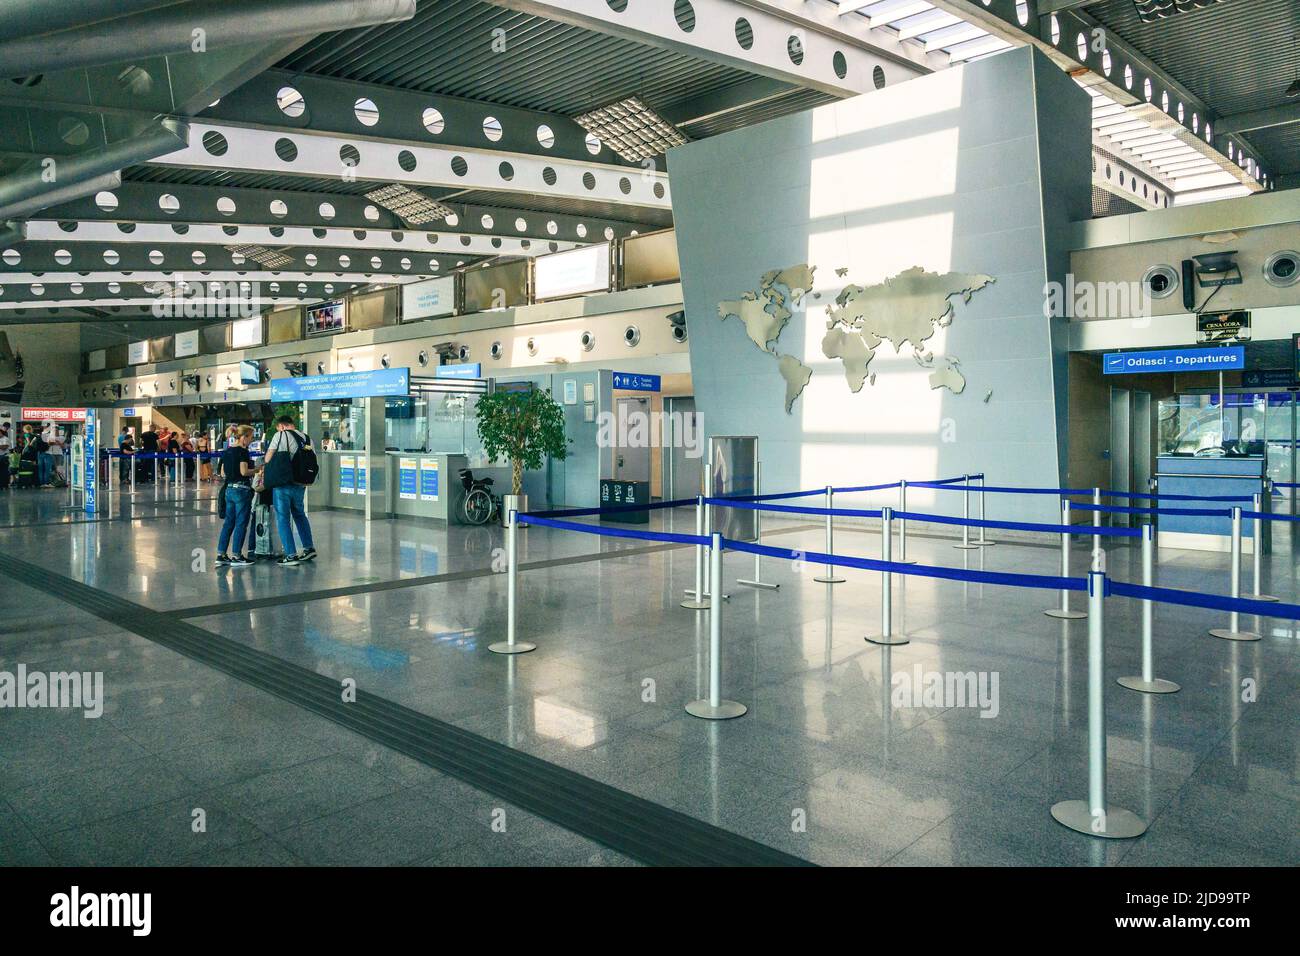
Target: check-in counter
<point>1212,477</point>
<point>420,485</point>
<point>424,485</point>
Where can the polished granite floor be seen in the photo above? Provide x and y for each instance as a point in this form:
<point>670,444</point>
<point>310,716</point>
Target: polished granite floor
<point>824,765</point>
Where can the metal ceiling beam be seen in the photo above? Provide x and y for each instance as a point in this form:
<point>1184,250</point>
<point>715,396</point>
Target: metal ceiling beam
<point>327,105</point>
<point>17,16</point>
<point>65,193</point>
<point>54,176</point>
<point>804,42</point>
<point>214,234</point>
<point>355,158</point>
<point>1113,67</point>
<point>140,203</point>
<point>192,27</point>
<point>48,257</point>
<point>1259,119</point>
<point>1060,6</point>
<point>752,92</point>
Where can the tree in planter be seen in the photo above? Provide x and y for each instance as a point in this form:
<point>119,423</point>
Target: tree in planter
<point>524,427</point>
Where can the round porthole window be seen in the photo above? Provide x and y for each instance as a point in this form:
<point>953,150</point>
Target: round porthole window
<point>497,350</point>
<point>588,341</point>
<point>532,347</point>
<point>383,360</point>
<point>422,358</point>
<point>631,336</point>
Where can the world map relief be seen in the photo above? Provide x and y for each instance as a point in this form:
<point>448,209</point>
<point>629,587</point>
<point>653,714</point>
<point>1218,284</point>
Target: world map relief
<point>904,310</point>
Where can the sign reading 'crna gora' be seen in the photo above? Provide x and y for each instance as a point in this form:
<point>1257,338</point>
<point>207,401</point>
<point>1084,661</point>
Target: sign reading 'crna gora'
<point>904,310</point>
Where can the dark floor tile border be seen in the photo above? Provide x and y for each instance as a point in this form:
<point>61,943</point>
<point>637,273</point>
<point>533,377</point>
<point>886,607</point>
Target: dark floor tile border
<point>636,827</point>
<point>350,590</point>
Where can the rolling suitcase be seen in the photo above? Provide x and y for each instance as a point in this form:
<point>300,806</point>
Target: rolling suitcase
<point>263,517</point>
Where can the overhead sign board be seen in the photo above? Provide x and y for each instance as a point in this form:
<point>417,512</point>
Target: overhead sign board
<point>1174,360</point>
<point>137,353</point>
<point>585,269</point>
<point>460,371</point>
<point>53,415</point>
<point>1269,378</point>
<point>371,384</point>
<point>1223,327</point>
<point>636,382</point>
<point>187,343</point>
<point>429,299</point>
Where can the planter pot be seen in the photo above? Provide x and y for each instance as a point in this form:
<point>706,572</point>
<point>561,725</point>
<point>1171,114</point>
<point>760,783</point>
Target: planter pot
<point>511,503</point>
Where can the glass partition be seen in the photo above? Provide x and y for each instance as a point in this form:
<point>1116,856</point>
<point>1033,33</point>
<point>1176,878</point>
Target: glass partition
<point>343,422</point>
<point>1251,424</point>
<point>433,422</point>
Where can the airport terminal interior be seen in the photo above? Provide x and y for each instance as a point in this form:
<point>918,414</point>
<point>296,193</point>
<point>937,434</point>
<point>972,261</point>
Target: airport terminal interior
<point>581,433</point>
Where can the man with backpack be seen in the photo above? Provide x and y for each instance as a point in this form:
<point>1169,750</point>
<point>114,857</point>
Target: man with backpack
<point>290,466</point>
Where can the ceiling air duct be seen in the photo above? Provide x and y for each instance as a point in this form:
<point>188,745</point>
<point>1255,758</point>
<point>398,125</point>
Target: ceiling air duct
<point>21,190</point>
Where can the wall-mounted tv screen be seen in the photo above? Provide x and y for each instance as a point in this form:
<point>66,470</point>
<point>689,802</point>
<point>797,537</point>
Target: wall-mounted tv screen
<point>250,373</point>
<point>326,318</point>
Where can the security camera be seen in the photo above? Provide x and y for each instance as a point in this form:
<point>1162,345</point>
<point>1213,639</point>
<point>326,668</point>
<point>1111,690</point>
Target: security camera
<point>447,352</point>
<point>1282,268</point>
<point>296,369</point>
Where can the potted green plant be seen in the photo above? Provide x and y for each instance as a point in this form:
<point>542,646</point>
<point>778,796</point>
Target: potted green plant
<point>524,427</point>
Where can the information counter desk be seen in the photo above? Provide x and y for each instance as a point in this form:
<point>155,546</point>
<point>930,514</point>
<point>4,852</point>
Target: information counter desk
<point>1181,475</point>
<point>421,485</point>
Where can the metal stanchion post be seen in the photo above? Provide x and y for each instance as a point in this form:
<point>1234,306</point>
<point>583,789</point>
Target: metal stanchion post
<point>130,461</point>
<point>1148,683</point>
<point>982,541</point>
<point>965,513</point>
<point>1064,610</point>
<point>697,601</point>
<point>1257,550</point>
<point>757,581</point>
<point>1233,631</point>
<point>715,708</point>
<point>1095,816</point>
<point>887,635</point>
<point>510,645</point>
<point>198,478</point>
<point>902,524</point>
<point>829,577</point>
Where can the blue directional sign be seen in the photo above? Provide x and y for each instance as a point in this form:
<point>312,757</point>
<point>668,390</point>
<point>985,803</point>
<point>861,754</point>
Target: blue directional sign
<point>460,371</point>
<point>373,384</point>
<point>1174,360</point>
<point>90,468</point>
<point>636,382</point>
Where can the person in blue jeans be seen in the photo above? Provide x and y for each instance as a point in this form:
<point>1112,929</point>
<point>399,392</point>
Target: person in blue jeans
<point>237,469</point>
<point>287,495</point>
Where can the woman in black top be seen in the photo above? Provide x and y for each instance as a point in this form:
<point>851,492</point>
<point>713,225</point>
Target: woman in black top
<point>237,469</point>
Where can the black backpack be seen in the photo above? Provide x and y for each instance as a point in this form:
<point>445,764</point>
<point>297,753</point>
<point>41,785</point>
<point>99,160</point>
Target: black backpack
<point>303,463</point>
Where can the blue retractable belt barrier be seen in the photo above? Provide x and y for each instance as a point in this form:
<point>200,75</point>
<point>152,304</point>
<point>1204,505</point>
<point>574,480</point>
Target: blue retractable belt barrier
<point>1043,581</point>
<point>1123,510</point>
<point>1269,516</point>
<point>847,491</point>
<point>1215,602</point>
<point>1148,497</point>
<point>779,496</point>
<point>791,509</point>
<point>611,509</point>
<point>998,489</point>
<point>1023,525</point>
<point>604,531</point>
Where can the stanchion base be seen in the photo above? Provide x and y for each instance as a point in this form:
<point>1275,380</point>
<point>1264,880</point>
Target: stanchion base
<point>695,605</point>
<point>966,547</point>
<point>725,710</point>
<point>1260,597</point>
<point>1065,615</point>
<point>981,543</point>
<point>505,647</point>
<point>757,584</point>
<point>905,561</point>
<point>1228,635</point>
<point>831,580</point>
<point>1117,824</point>
<point>891,641</point>
<point>1156,686</point>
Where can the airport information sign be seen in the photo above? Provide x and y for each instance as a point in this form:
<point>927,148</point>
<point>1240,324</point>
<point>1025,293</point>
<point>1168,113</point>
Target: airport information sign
<point>373,384</point>
<point>636,382</point>
<point>1174,360</point>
